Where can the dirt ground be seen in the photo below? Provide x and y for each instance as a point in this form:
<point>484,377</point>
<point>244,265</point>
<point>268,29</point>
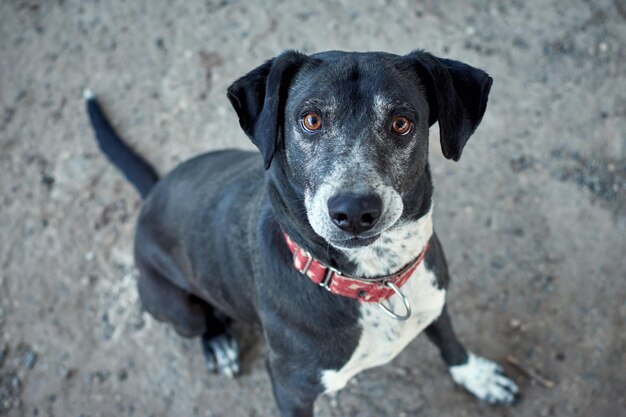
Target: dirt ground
<point>533,217</point>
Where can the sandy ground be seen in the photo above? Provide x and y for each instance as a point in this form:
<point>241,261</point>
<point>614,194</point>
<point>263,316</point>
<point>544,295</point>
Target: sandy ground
<point>533,217</point>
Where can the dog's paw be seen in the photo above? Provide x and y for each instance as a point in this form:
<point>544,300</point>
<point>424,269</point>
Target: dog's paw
<point>222,354</point>
<point>486,380</point>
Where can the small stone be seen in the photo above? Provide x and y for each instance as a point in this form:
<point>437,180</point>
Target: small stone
<point>520,164</point>
<point>3,354</point>
<point>29,359</point>
<point>47,180</point>
<point>497,263</point>
<point>516,231</point>
<point>99,376</point>
<point>520,42</point>
<point>68,373</point>
<point>122,375</point>
<point>400,371</point>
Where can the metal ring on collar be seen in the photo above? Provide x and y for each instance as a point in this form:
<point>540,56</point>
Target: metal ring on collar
<point>405,301</point>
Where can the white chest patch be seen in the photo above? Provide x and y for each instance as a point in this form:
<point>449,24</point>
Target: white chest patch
<point>383,337</point>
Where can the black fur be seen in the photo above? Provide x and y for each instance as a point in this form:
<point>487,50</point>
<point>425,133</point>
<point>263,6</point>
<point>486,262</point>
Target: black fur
<point>258,97</point>
<point>133,166</point>
<point>210,240</point>
<point>458,98</point>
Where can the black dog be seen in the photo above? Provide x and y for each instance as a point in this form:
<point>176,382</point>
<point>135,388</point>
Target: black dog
<point>344,202</point>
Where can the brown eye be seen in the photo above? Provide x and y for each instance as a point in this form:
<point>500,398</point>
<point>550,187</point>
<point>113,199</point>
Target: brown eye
<point>401,125</point>
<point>311,122</point>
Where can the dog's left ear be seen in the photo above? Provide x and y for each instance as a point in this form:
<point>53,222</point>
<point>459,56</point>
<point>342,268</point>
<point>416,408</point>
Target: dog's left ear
<point>259,99</point>
<point>457,94</point>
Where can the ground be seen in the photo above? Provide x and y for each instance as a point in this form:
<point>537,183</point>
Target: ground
<point>533,217</point>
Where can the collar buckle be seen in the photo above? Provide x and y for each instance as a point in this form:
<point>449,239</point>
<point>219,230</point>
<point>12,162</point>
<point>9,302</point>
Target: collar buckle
<point>309,260</point>
<point>328,277</point>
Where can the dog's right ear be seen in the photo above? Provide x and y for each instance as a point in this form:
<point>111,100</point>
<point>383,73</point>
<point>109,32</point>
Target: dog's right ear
<point>259,99</point>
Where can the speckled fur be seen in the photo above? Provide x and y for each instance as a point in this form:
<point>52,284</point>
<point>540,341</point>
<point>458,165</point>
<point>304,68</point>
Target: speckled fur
<point>316,341</point>
<point>395,248</point>
<point>341,178</point>
<point>382,337</point>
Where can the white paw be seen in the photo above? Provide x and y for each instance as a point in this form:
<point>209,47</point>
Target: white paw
<point>485,379</point>
<point>222,354</point>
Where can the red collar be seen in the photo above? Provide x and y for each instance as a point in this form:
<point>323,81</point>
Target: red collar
<point>364,289</point>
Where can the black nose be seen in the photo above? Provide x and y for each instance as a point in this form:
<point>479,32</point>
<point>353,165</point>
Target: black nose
<point>355,213</point>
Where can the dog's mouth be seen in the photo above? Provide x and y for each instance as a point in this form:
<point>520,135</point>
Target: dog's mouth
<point>355,242</point>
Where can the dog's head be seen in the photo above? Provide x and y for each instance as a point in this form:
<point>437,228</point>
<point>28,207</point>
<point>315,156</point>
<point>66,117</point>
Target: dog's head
<point>351,130</point>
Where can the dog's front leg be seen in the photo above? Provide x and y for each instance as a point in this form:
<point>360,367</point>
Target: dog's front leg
<point>482,377</point>
<point>294,387</point>
<point>441,333</point>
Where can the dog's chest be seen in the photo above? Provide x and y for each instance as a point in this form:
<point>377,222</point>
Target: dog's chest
<point>383,337</point>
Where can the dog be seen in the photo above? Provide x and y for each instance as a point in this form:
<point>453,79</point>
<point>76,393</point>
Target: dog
<point>326,242</point>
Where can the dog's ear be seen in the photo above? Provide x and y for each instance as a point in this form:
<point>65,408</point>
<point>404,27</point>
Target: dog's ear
<point>259,99</point>
<point>457,95</point>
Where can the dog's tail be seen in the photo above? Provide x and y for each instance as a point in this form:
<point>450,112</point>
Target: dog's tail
<point>139,172</point>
